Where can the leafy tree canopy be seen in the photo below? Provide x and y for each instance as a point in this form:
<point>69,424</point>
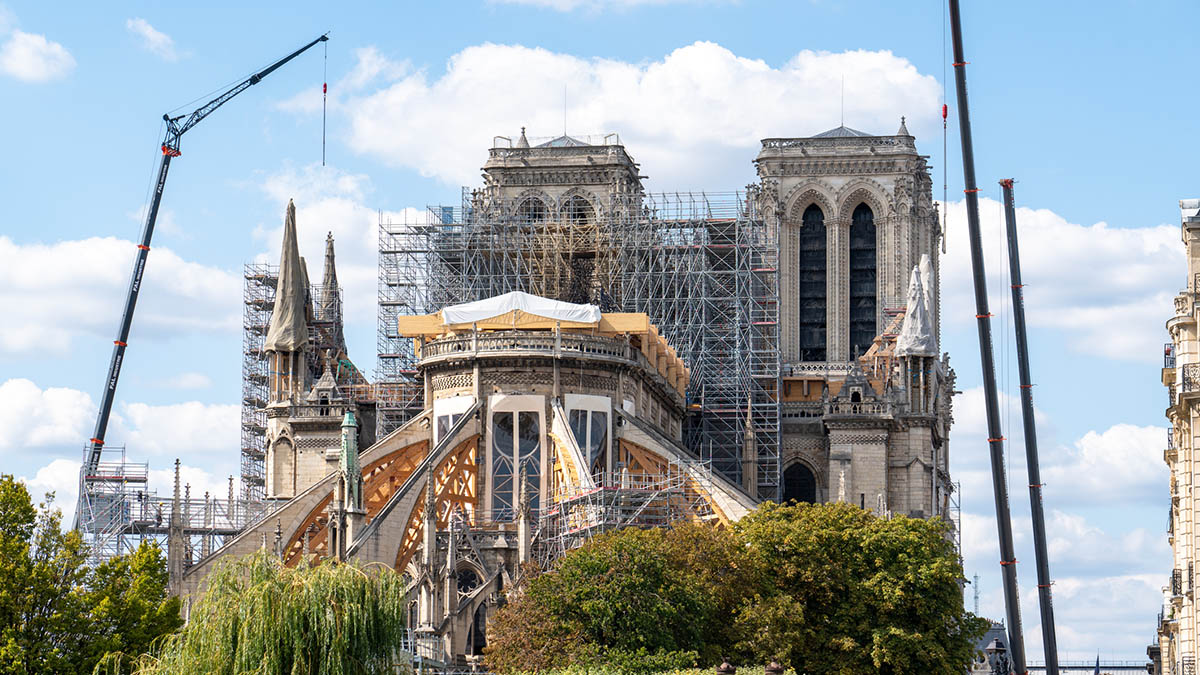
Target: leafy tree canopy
<point>257,616</point>
<point>57,615</point>
<point>826,589</point>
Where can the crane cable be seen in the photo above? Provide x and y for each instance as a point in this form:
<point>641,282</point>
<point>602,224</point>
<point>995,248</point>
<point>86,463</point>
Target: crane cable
<point>324,98</point>
<point>945,152</point>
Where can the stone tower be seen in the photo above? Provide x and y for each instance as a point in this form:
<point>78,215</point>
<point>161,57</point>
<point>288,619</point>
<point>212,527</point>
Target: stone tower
<point>865,415</point>
<point>569,196</point>
<point>856,214</point>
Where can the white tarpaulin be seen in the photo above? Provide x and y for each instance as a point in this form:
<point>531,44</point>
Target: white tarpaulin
<point>916,333</point>
<point>288,331</point>
<point>481,310</point>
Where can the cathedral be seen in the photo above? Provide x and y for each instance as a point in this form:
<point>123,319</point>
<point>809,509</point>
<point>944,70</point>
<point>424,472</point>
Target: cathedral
<point>567,354</point>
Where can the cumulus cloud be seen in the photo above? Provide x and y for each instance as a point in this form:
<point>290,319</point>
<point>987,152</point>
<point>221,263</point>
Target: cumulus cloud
<point>190,380</point>
<point>699,101</point>
<point>61,477</point>
<point>333,201</point>
<point>152,40</point>
<point>1081,279</point>
<point>33,418</point>
<point>55,293</point>
<point>33,58</point>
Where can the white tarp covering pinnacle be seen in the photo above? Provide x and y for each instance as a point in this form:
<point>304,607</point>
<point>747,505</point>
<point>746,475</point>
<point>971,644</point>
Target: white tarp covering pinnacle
<point>288,331</point>
<point>927,288</point>
<point>487,308</point>
<point>916,333</point>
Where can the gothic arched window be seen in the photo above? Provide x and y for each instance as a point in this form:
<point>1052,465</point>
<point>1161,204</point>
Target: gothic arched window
<point>810,272</point>
<point>799,484</point>
<point>531,210</point>
<point>579,211</point>
<point>862,280</point>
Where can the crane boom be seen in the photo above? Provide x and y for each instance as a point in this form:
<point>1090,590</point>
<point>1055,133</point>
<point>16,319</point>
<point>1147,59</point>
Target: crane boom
<point>170,150</point>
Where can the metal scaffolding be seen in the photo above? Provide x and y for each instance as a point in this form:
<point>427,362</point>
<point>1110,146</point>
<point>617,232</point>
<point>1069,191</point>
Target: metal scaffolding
<point>258,303</point>
<point>119,511</point>
<point>623,500</point>
<point>702,266</point>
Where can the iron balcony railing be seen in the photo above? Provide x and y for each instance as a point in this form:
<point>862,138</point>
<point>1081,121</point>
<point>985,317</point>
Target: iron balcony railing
<point>1191,378</point>
<point>1176,582</point>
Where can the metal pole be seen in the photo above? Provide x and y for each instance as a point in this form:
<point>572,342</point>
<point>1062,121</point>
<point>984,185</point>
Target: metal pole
<point>1008,560</point>
<point>1045,603</point>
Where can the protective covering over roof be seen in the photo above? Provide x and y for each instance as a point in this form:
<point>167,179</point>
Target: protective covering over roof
<point>916,333</point>
<point>526,303</point>
<point>288,331</point>
<point>841,132</point>
<point>563,141</point>
<point>1190,210</point>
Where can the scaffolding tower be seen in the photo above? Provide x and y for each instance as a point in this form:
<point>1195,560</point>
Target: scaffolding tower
<point>702,266</point>
<point>621,500</point>
<point>258,303</point>
<point>119,511</point>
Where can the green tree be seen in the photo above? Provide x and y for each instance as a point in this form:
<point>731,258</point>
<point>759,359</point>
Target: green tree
<point>57,615</point>
<point>257,616</point>
<point>637,597</point>
<point>847,592</point>
<point>127,605</point>
<point>41,577</point>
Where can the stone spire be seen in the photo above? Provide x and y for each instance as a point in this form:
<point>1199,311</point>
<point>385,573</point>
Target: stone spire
<point>903,128</point>
<point>348,463</point>
<point>523,142</point>
<point>175,542</point>
<point>288,331</point>
<point>331,296</point>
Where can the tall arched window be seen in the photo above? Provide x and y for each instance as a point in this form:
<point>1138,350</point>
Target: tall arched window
<point>531,210</point>
<point>862,280</point>
<point>810,272</point>
<point>579,211</point>
<point>799,484</point>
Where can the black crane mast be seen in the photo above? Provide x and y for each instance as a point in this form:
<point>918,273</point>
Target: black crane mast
<point>170,149</point>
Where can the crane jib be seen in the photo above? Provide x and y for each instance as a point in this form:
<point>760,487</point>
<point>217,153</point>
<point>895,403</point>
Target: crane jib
<point>170,149</point>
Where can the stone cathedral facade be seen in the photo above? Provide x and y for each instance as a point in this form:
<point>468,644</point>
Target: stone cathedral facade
<point>559,409</point>
<point>861,422</point>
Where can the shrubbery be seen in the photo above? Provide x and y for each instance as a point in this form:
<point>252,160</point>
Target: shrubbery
<point>823,589</point>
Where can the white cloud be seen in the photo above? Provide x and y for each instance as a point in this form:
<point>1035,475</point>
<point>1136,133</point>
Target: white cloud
<point>1124,459</point>
<point>1082,280</point>
<point>328,200</point>
<point>55,417</point>
<point>181,429</point>
<point>188,381</point>
<point>55,293</point>
<point>153,40</point>
<point>31,417</point>
<point>33,58</point>
<point>60,476</point>
<point>699,101</point>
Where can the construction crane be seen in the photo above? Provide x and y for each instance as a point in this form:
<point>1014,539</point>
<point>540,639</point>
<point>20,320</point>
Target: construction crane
<point>176,128</point>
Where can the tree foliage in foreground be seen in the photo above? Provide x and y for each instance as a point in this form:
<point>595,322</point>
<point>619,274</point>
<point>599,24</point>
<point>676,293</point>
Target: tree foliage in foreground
<point>57,615</point>
<point>826,589</point>
<point>257,616</point>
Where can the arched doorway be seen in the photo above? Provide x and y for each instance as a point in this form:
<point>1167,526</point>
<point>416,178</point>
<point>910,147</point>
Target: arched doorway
<point>799,484</point>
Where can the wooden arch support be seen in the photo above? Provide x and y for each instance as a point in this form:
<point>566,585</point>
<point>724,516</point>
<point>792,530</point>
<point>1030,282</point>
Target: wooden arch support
<point>454,487</point>
<point>381,479</point>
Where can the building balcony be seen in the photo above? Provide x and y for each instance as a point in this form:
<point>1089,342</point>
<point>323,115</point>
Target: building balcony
<point>1190,382</point>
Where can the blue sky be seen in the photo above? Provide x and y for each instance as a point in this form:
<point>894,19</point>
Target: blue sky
<point>1086,104</point>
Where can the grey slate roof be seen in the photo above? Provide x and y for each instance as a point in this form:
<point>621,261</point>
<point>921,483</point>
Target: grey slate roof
<point>564,141</point>
<point>841,132</point>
